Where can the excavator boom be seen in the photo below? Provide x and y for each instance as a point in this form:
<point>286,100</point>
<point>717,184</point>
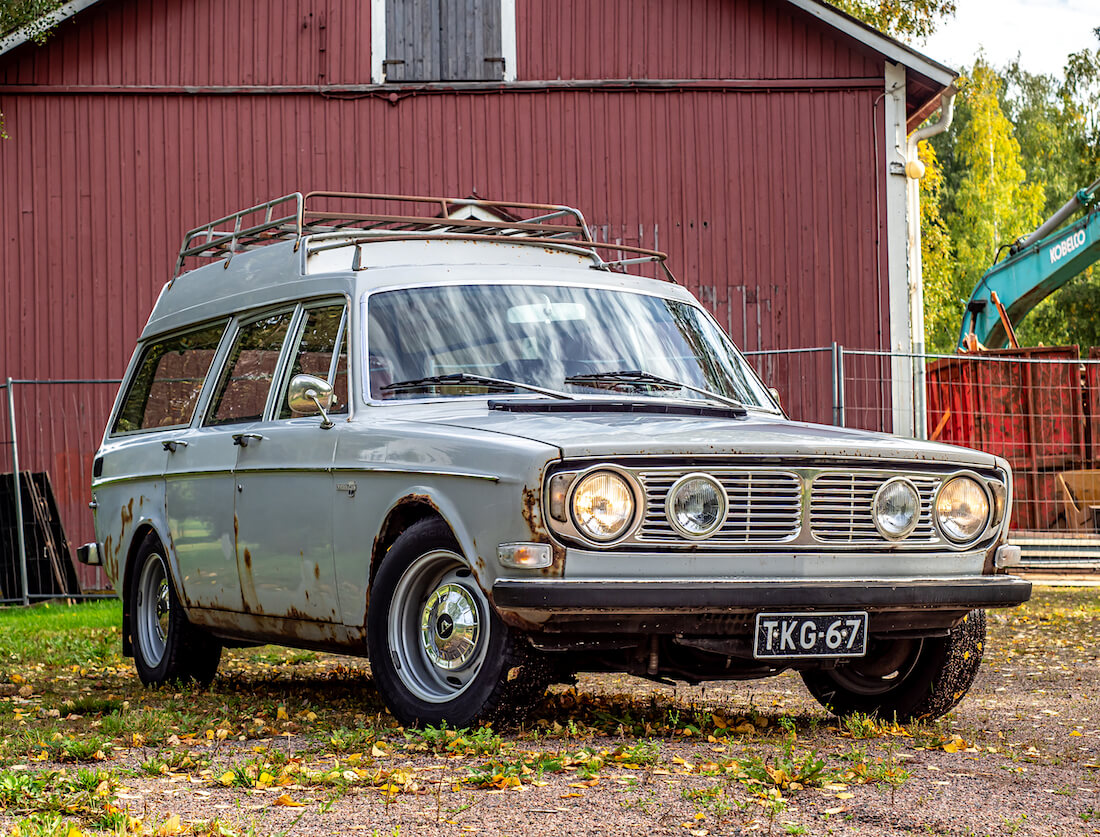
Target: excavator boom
<point>1041,264</point>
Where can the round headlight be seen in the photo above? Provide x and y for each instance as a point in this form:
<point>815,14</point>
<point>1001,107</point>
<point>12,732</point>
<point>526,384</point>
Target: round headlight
<point>896,508</point>
<point>696,505</point>
<point>603,505</point>
<point>962,509</point>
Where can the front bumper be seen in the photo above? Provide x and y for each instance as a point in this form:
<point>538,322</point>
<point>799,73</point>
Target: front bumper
<point>720,606</point>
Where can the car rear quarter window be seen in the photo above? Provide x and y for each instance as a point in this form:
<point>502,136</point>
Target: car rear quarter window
<point>241,394</point>
<point>168,379</point>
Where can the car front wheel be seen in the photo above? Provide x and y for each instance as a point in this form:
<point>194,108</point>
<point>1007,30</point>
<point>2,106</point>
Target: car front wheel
<point>167,647</point>
<point>906,679</point>
<point>438,651</point>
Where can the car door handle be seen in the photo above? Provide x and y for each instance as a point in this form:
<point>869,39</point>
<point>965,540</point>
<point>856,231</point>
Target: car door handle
<point>242,439</point>
<point>172,444</point>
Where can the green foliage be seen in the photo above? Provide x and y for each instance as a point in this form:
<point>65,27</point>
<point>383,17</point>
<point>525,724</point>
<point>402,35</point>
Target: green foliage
<point>941,308</point>
<point>17,14</point>
<point>905,19</point>
<point>995,203</point>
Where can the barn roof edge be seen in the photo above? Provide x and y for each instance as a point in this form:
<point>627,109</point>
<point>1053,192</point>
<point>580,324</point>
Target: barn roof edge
<point>58,15</point>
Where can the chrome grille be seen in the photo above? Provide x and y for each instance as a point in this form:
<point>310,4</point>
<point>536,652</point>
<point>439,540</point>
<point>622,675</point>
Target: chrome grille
<point>840,507</point>
<point>764,506</point>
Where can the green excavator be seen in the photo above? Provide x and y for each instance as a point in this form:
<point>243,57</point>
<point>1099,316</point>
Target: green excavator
<point>1036,266</point>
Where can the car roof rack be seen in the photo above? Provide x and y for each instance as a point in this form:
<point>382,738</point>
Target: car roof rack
<point>352,218</point>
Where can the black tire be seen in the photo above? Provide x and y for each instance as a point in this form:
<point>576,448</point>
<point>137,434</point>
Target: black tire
<point>438,651</point>
<point>907,679</point>
<point>167,647</point>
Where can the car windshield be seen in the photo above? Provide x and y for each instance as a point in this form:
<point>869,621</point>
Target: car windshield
<point>575,340</point>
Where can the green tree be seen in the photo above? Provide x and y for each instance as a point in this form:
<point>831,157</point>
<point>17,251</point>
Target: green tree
<point>905,19</point>
<point>940,317</point>
<point>990,201</point>
<point>1056,124</point>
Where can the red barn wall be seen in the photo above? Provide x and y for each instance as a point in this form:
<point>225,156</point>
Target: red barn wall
<point>761,178</point>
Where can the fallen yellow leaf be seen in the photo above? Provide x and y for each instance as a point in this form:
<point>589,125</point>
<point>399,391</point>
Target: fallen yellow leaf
<point>171,826</point>
<point>285,801</point>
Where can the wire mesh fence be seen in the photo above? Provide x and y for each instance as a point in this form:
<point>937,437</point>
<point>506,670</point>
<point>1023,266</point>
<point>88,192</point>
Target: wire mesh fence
<point>49,432</point>
<point>1037,408</point>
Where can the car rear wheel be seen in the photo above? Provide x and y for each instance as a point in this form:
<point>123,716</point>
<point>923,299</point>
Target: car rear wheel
<point>905,679</point>
<point>438,651</point>
<point>167,647</point>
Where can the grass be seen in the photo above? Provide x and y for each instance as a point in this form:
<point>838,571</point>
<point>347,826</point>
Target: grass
<point>56,635</point>
<point>76,726</point>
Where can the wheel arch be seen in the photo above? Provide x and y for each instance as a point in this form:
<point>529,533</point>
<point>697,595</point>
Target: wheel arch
<point>406,512</point>
<point>141,532</point>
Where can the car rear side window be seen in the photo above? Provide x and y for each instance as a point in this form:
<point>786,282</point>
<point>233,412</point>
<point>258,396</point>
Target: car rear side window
<point>246,378</point>
<point>168,379</point>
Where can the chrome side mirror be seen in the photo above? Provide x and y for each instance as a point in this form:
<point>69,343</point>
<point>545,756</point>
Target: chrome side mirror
<point>310,395</point>
<point>775,395</point>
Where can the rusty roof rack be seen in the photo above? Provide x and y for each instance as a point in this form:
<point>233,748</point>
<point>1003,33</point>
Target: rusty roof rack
<point>294,216</point>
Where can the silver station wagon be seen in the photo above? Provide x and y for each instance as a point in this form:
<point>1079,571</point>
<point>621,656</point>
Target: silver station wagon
<point>459,438</point>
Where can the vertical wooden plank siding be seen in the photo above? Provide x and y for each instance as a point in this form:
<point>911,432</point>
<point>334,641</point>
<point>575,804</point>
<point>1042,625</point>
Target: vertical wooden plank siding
<point>766,197</point>
<point>784,253</point>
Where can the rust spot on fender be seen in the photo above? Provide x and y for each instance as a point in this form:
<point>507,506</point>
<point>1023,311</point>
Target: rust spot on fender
<point>416,498</point>
<point>317,571</point>
<point>531,508</point>
<point>517,621</point>
<point>249,599</point>
<point>127,514</point>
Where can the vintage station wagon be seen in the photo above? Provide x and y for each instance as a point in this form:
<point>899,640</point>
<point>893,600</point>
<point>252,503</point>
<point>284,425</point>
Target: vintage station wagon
<point>458,438</point>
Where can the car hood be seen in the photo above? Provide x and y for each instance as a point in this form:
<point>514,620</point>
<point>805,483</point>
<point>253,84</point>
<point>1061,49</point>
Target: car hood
<point>612,434</point>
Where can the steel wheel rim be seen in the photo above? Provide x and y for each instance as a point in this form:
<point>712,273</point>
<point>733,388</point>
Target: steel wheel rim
<point>438,627</point>
<point>153,610</point>
<point>880,674</point>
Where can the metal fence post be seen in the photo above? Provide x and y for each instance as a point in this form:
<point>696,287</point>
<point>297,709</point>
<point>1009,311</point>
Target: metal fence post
<point>838,385</point>
<point>18,493</point>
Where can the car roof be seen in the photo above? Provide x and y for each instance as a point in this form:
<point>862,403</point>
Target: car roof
<point>328,265</point>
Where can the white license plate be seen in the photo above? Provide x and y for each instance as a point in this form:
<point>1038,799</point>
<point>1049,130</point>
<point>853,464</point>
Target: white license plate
<point>794,635</point>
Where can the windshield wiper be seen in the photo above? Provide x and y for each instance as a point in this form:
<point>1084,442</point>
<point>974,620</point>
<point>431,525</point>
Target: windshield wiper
<point>493,384</point>
<point>638,379</point>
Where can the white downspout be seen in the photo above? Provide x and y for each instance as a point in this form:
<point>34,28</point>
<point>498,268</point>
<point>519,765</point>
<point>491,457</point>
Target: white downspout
<point>914,170</point>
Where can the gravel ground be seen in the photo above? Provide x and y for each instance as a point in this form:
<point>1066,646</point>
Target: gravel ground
<point>617,755</point>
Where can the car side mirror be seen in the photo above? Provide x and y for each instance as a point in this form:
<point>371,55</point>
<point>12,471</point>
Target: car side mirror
<point>309,395</point>
<point>775,395</point>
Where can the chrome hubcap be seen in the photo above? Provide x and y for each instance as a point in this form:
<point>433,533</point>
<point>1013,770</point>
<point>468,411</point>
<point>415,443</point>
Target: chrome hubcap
<point>449,627</point>
<point>438,628</point>
<point>153,614</point>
